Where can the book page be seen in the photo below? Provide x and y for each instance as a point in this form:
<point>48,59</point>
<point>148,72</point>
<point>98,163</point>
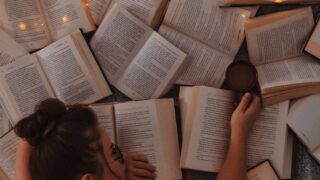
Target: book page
<point>106,119</point>
<point>313,45</point>
<point>5,125</point>
<point>302,69</point>
<point>24,20</point>
<point>8,147</point>
<point>207,66</point>
<point>222,29</point>
<point>98,9</point>
<point>9,49</point>
<point>304,120</point>
<point>263,172</point>
<point>64,17</point>
<point>137,129</point>
<point>316,154</point>
<point>153,70</point>
<point>68,74</point>
<point>169,137</point>
<point>145,10</point>
<point>118,40</point>
<point>24,85</point>
<point>279,35</point>
<point>207,133</point>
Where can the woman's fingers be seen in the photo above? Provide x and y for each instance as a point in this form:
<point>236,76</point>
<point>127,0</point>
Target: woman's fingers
<point>255,105</point>
<point>138,157</point>
<point>245,101</point>
<point>142,173</point>
<point>142,165</point>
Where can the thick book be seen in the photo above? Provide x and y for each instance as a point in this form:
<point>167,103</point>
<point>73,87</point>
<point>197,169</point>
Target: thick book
<point>149,11</point>
<point>211,36</point>
<point>136,60</point>
<point>227,3</point>
<point>304,120</point>
<point>206,114</point>
<point>263,171</point>
<point>37,23</point>
<point>66,70</point>
<point>8,148</point>
<point>313,45</point>
<point>275,44</point>
<point>147,128</point>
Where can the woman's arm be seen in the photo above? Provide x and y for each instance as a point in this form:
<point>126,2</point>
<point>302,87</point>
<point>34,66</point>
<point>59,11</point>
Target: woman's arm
<point>234,166</point>
<point>22,171</point>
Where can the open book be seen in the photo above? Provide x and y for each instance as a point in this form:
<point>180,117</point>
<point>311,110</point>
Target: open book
<point>313,45</point>
<point>304,120</point>
<point>264,171</point>
<point>211,36</point>
<point>275,44</point>
<point>8,148</point>
<point>65,70</point>
<point>136,60</point>
<point>206,114</point>
<point>147,128</point>
<point>265,2</point>
<point>37,23</point>
<point>149,11</point>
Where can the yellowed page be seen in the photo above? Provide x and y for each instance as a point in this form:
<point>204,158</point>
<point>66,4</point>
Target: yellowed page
<point>64,17</point>
<point>9,49</point>
<point>23,86</point>
<point>24,20</point>
<point>278,36</point>
<point>313,46</point>
<point>98,9</point>
<point>222,29</point>
<point>207,66</point>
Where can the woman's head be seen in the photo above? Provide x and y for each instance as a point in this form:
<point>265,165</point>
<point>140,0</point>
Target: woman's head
<point>65,141</point>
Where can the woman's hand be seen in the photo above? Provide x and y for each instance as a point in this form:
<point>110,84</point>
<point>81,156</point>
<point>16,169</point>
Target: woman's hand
<point>245,115</point>
<point>139,168</point>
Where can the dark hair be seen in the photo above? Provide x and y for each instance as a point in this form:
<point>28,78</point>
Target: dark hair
<point>62,141</point>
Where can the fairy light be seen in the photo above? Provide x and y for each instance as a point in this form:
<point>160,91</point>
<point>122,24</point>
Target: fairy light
<point>22,26</point>
<point>65,19</point>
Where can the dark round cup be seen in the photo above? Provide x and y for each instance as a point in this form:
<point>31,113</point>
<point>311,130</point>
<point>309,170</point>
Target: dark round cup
<point>241,77</point>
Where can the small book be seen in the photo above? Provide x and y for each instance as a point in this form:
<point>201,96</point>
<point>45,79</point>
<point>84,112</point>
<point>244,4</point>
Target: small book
<point>313,45</point>
<point>275,44</point>
<point>147,128</point>
<point>8,148</point>
<point>211,36</point>
<point>9,49</point>
<point>206,114</point>
<point>66,70</point>
<point>136,59</point>
<point>304,120</point>
<point>263,171</point>
<point>36,23</point>
<point>149,11</point>
<point>226,3</point>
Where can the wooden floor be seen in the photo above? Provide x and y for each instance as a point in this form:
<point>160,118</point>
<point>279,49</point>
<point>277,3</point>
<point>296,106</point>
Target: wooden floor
<point>304,167</point>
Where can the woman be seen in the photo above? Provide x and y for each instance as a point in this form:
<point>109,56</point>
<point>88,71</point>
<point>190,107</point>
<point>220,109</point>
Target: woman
<point>68,144</point>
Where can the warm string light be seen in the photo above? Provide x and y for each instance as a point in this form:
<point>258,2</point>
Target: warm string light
<point>65,19</point>
<point>22,26</point>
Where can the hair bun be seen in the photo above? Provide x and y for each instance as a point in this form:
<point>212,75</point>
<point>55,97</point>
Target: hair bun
<point>34,127</point>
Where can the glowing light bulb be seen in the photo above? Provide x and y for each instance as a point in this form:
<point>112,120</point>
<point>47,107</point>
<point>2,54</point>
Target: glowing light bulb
<point>65,19</point>
<point>22,26</point>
